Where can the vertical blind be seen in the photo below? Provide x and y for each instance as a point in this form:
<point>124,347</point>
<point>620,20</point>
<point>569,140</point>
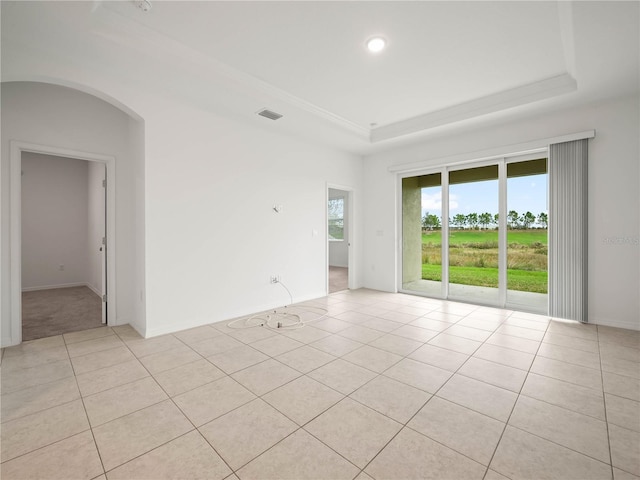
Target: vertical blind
<point>568,230</point>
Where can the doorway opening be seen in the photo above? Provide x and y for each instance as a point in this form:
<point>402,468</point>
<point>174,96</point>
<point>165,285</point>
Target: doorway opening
<point>338,239</point>
<point>102,166</point>
<point>63,264</point>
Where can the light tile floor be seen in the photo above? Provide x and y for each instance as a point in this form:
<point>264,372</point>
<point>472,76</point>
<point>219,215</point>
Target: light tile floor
<point>386,386</point>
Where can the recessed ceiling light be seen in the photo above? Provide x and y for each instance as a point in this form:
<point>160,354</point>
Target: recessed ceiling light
<point>376,44</point>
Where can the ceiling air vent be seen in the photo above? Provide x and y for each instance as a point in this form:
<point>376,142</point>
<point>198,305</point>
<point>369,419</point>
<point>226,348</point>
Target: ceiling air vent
<point>269,114</point>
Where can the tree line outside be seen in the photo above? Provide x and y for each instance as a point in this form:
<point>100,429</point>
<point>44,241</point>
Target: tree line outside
<point>486,220</point>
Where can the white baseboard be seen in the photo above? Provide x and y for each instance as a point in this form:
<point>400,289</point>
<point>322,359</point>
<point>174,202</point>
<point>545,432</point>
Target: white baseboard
<point>137,328</point>
<point>94,289</point>
<point>7,342</point>
<point>224,317</point>
<point>618,324</point>
<point>604,322</point>
<point>128,321</point>
<point>51,287</point>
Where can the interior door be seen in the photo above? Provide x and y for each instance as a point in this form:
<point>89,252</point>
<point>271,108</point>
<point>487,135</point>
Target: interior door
<point>338,239</point>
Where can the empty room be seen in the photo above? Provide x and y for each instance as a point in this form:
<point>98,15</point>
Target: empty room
<point>321,240</point>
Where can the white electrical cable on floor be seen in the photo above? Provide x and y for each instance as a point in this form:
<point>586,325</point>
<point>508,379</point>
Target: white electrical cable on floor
<point>288,317</point>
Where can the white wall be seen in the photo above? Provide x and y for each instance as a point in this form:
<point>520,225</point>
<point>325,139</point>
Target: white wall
<point>614,197</point>
<point>54,221</point>
<point>198,193</point>
<point>210,238</point>
<point>213,238</point>
<point>339,250</point>
<point>95,225</point>
<point>49,115</point>
<point>136,137</point>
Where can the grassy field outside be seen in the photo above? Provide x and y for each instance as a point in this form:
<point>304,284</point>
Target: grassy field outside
<point>460,237</point>
<point>473,258</point>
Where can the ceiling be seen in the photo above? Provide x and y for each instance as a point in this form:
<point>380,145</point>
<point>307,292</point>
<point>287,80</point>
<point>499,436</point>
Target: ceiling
<point>446,63</point>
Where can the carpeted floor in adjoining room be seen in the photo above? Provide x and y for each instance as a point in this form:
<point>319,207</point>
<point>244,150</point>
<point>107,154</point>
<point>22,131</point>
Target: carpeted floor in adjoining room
<point>338,279</point>
<point>46,313</point>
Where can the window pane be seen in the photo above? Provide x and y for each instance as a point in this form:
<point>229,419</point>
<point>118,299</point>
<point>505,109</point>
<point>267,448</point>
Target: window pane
<point>527,234</point>
<point>473,234</point>
<point>422,234</point>
<point>336,218</point>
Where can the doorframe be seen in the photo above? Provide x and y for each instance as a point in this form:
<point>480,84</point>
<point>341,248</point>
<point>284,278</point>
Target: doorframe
<point>15,242</point>
<point>351,238</point>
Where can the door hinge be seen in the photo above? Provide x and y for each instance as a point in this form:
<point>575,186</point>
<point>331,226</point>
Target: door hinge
<point>104,298</point>
<point>104,184</point>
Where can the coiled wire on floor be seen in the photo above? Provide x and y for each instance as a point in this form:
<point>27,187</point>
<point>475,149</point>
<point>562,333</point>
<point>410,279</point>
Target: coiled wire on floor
<point>288,317</point>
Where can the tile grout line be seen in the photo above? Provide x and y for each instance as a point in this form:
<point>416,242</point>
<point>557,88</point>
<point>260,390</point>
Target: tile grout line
<point>377,374</point>
<point>301,427</point>
<point>208,383</point>
<point>239,406</point>
<point>138,360</point>
<point>604,400</point>
<point>22,389</point>
<point>559,445</point>
<point>506,424</point>
<point>84,407</point>
<point>195,428</point>
<point>560,406</point>
<point>405,425</point>
<point>59,405</point>
<point>298,427</point>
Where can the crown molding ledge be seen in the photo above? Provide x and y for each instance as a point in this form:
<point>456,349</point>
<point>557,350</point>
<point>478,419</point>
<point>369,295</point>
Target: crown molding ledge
<point>515,97</point>
<point>133,34</point>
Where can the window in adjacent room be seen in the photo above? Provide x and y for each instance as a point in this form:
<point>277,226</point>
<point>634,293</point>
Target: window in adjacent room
<point>336,218</point>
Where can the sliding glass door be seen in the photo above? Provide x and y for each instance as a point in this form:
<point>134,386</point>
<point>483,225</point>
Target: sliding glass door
<point>527,239</point>
<point>474,234</point>
<point>478,234</point>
